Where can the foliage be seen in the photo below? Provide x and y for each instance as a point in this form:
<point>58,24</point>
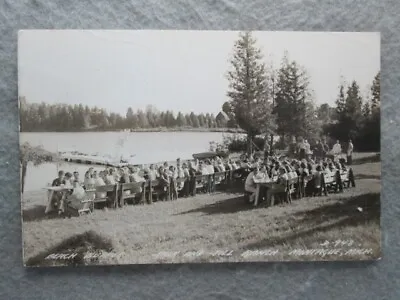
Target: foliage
<point>296,116</point>
<point>35,154</point>
<point>61,117</point>
<point>238,143</point>
<point>248,89</point>
<point>357,119</point>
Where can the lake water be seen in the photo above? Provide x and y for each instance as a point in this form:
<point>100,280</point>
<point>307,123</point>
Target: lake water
<point>147,147</point>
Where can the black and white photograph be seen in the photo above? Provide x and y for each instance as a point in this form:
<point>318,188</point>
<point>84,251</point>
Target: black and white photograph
<point>165,146</point>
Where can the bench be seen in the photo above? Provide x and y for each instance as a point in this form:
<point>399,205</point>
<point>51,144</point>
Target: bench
<point>129,191</point>
<point>344,176</point>
<point>202,182</point>
<point>155,189</point>
<point>104,194</point>
<point>220,178</point>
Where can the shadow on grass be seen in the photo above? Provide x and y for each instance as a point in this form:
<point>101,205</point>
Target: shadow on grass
<point>367,159</point>
<point>227,206</point>
<point>366,176</point>
<point>80,244</point>
<point>37,213</point>
<point>352,211</point>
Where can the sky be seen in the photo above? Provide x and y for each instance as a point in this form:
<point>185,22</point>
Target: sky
<point>177,70</point>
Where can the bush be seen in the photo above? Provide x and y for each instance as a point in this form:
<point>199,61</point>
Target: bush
<point>239,143</point>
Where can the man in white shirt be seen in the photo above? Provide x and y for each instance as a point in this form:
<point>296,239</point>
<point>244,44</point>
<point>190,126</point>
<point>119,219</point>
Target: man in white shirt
<point>336,150</point>
<point>350,153</point>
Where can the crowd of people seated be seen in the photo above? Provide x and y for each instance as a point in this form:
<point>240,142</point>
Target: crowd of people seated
<point>311,176</point>
<point>179,179</point>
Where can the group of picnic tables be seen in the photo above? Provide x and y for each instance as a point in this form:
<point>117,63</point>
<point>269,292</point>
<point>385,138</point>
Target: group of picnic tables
<point>226,177</point>
<point>330,180</point>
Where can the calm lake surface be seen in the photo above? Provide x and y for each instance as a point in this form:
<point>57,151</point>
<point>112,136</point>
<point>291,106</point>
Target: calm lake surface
<point>147,147</point>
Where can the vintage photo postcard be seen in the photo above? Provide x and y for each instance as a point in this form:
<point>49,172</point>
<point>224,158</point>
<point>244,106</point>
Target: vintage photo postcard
<point>148,147</point>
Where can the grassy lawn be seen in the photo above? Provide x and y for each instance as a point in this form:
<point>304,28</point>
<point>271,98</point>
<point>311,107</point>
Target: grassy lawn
<point>220,227</point>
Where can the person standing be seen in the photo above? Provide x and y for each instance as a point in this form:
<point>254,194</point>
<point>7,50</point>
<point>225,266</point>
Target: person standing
<point>336,150</point>
<point>350,149</point>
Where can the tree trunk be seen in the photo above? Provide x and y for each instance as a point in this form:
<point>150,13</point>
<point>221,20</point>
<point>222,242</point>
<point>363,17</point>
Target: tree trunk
<point>249,144</point>
<point>271,145</point>
<point>24,166</point>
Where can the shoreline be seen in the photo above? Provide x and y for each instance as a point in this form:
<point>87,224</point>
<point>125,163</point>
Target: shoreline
<point>158,129</point>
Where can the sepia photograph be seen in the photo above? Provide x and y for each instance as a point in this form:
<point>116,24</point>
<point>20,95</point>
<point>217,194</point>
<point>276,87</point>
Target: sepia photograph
<point>164,146</point>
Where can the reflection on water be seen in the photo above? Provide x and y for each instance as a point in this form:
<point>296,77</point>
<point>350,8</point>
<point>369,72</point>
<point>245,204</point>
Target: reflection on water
<point>147,147</point>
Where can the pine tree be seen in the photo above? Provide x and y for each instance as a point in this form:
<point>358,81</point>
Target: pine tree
<point>188,120</point>
<point>366,110</point>
<point>180,120</point>
<point>248,88</point>
<point>376,92</point>
<point>194,120</point>
<point>292,100</point>
<point>340,101</point>
<point>142,119</point>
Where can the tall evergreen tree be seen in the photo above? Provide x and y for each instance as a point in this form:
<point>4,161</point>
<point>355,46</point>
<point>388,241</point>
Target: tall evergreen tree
<point>376,92</point>
<point>248,88</point>
<point>180,120</point>
<point>340,101</point>
<point>292,100</point>
<point>194,120</point>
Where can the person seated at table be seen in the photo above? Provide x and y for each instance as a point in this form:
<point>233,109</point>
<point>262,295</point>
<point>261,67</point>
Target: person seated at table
<point>165,166</point>
<point>152,172</point>
<point>164,180</point>
<point>68,179</point>
<point>274,170</point>
<point>220,165</point>
<point>245,164</point>
<point>98,181</point>
<point>250,186</point>
<point>279,187</point>
<point>136,178</point>
<point>59,180</point>
<point>75,199</point>
<point>91,171</point>
<point>235,165</point>
<point>76,177</point>
<point>88,181</point>
<point>56,198</point>
<point>110,177</point>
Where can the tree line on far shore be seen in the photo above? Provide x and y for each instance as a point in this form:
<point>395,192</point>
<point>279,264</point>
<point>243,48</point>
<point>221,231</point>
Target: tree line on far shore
<point>266,101</point>
<point>62,117</point>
